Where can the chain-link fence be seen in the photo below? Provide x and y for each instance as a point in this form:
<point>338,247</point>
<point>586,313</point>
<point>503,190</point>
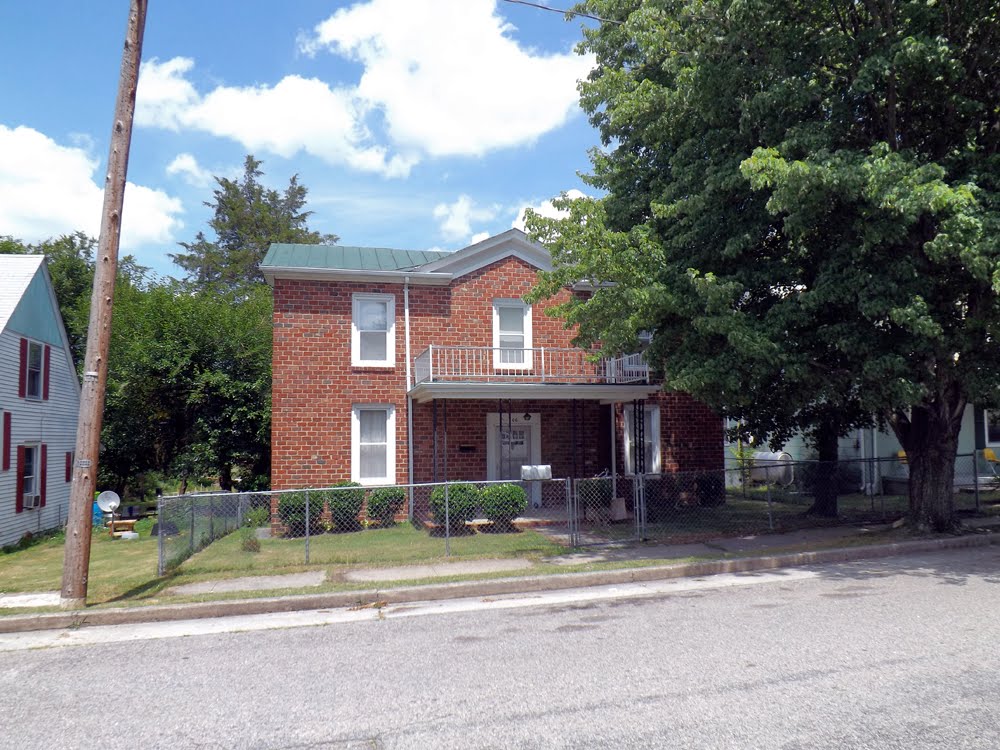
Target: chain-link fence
<point>318,525</point>
<point>331,525</point>
<point>762,496</point>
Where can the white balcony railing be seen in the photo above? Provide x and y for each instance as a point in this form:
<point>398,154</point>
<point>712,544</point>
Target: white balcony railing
<point>486,364</point>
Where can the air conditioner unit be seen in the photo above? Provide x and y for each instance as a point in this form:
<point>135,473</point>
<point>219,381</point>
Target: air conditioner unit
<point>31,501</point>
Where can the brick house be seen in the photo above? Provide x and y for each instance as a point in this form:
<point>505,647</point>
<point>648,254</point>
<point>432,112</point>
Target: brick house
<point>395,366</point>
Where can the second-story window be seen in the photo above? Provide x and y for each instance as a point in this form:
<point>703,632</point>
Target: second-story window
<point>511,334</point>
<point>373,330</point>
<point>33,386</point>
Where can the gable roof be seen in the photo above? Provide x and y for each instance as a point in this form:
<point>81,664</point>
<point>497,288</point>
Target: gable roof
<point>16,273</point>
<point>336,262</point>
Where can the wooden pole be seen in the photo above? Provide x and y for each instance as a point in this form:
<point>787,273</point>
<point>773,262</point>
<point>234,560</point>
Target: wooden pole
<point>76,560</point>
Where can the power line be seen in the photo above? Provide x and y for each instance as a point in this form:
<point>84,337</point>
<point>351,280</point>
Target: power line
<point>564,12</point>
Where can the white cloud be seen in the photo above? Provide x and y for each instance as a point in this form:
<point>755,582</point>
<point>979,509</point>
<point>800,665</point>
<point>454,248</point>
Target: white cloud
<point>448,76</point>
<point>456,218</point>
<point>187,167</point>
<point>479,237</point>
<point>47,189</point>
<point>440,78</point>
<point>297,114</point>
<point>545,208</point>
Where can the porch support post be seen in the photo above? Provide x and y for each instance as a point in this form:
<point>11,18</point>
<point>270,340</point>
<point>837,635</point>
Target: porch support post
<point>573,436</point>
<point>434,432</point>
<point>614,450</point>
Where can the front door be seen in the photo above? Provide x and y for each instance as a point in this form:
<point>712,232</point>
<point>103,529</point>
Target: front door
<point>512,442</point>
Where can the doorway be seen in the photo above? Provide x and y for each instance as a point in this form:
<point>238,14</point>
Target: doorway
<point>511,443</point>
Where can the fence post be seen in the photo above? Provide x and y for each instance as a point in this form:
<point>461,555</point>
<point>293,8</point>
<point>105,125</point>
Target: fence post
<point>975,477</point>
<point>191,500</point>
<point>307,526</point>
<point>447,522</point>
<point>159,534</point>
<point>767,484</point>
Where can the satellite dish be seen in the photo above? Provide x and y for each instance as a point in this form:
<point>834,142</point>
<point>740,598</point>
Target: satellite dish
<point>108,501</point>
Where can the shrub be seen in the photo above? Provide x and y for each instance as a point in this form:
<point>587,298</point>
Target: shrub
<point>710,489</point>
<point>345,505</point>
<point>502,503</point>
<point>259,517</point>
<point>248,540</point>
<point>292,512</point>
<point>384,503</point>
<point>462,502</point>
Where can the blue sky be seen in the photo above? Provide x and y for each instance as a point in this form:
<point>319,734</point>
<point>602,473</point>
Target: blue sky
<point>414,123</point>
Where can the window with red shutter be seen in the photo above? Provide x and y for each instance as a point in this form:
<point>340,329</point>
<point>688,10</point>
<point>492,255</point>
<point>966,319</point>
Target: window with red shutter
<point>5,461</point>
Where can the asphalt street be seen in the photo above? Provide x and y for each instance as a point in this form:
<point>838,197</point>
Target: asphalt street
<point>897,653</point>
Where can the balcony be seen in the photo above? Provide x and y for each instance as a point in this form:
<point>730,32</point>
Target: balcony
<point>540,365</point>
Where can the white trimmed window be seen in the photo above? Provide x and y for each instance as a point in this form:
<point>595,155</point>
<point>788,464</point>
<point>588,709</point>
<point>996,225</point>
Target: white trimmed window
<point>992,420</point>
<point>373,444</point>
<point>373,330</point>
<point>511,334</point>
<point>29,470</point>
<point>33,381</point>
<point>651,439</point>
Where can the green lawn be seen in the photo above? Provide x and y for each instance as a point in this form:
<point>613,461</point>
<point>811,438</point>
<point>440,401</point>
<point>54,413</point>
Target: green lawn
<point>126,570</point>
<point>117,567</point>
<point>400,545</point>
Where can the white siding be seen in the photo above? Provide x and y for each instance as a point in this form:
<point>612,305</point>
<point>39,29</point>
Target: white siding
<point>52,422</point>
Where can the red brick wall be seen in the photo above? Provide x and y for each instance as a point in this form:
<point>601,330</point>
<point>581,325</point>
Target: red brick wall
<point>315,384</point>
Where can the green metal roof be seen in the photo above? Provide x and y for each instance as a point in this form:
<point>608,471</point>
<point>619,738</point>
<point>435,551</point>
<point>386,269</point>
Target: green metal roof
<point>344,258</point>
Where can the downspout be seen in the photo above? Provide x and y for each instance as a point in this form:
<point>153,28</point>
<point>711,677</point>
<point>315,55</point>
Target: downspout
<point>409,399</point>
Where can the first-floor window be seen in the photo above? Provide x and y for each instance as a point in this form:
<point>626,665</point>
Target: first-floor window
<point>650,439</point>
<point>29,470</point>
<point>992,418</point>
<point>373,443</point>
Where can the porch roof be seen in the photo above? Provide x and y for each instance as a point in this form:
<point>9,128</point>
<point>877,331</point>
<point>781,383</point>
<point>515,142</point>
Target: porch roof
<point>606,393</point>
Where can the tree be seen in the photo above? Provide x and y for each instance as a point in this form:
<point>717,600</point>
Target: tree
<point>248,217</point>
<point>803,204</point>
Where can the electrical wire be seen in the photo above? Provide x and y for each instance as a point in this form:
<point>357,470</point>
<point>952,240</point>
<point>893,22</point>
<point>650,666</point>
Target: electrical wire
<point>564,12</point>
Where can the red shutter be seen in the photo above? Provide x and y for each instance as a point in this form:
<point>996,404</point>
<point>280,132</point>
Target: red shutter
<point>22,374</point>
<point>45,377</point>
<point>69,466</point>
<point>43,474</point>
<point>19,490</point>
<point>6,441</point>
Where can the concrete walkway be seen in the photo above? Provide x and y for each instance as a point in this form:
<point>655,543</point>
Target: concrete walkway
<point>441,570</point>
<point>251,583</point>
<point>729,545</point>
<point>35,599</point>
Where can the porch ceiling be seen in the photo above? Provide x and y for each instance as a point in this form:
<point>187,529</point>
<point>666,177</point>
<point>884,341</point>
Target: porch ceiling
<point>606,393</point>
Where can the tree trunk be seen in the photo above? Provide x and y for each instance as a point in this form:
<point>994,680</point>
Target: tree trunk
<point>826,488</point>
<point>226,478</point>
<point>930,438</point>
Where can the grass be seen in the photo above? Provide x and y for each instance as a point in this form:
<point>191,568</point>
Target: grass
<point>117,567</point>
<point>401,545</point>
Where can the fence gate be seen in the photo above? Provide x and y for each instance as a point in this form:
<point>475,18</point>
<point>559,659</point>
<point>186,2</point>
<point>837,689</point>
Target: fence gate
<point>606,510</point>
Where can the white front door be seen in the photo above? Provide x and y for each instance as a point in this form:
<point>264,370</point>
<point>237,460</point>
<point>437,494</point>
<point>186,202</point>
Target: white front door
<point>512,442</point>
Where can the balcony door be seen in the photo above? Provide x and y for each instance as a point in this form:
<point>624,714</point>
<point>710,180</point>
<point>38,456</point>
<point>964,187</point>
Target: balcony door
<point>511,446</point>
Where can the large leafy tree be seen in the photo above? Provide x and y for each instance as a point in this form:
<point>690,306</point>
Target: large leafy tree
<point>247,218</point>
<point>803,202</point>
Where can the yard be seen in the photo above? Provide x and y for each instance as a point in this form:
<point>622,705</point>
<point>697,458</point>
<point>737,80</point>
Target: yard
<point>126,570</point>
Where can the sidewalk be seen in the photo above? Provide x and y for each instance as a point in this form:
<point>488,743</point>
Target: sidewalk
<point>652,562</point>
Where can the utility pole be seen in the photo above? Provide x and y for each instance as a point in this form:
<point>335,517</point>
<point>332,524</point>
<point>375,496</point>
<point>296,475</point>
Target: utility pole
<point>76,561</point>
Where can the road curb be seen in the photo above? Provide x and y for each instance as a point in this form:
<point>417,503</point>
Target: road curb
<point>495,587</point>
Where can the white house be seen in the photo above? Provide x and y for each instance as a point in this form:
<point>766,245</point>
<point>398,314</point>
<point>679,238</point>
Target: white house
<point>39,401</point>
